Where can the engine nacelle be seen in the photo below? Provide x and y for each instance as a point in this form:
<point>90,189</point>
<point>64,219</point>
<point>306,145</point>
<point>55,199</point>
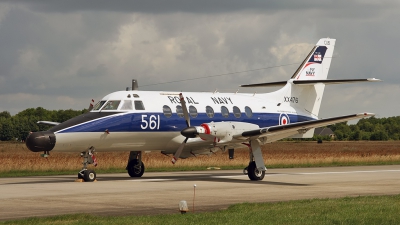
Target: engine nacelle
<point>225,130</point>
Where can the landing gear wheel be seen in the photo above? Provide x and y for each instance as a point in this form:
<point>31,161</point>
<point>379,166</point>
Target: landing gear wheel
<point>135,169</point>
<point>89,175</point>
<point>246,171</point>
<point>254,173</point>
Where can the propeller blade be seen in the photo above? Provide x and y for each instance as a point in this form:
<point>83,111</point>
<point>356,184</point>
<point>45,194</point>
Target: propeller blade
<point>184,108</point>
<point>179,151</point>
<point>91,105</point>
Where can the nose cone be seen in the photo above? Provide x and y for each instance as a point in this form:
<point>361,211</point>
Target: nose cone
<point>41,141</point>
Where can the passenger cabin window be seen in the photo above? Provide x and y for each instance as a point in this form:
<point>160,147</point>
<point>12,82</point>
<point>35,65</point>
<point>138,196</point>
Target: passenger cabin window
<point>98,105</point>
<point>139,105</point>
<point>126,105</point>
<point>209,111</point>
<point>193,111</point>
<point>236,112</point>
<point>111,105</point>
<point>179,111</point>
<point>248,111</point>
<point>167,111</point>
<point>224,111</point>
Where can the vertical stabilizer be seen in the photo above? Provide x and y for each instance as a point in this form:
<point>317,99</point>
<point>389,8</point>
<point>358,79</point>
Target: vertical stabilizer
<point>317,63</point>
<point>314,67</point>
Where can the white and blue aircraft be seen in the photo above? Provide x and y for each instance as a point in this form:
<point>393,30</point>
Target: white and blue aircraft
<point>193,123</point>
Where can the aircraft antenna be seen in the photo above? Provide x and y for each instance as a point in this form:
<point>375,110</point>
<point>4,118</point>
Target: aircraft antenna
<point>219,75</point>
<point>135,85</point>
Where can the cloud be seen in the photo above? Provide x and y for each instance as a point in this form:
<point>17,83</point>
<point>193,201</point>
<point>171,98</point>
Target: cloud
<point>87,49</point>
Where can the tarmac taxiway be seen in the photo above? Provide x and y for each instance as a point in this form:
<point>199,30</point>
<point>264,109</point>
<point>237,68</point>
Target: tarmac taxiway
<point>155,193</point>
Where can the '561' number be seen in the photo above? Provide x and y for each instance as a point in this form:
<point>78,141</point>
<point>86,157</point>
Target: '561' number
<point>153,122</point>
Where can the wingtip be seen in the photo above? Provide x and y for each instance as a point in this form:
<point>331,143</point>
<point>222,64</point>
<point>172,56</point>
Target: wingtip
<point>374,80</point>
<point>366,114</point>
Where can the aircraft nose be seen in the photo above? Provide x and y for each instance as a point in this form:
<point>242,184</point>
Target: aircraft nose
<point>41,141</point>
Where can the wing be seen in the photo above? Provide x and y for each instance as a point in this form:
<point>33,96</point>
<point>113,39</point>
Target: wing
<point>274,133</point>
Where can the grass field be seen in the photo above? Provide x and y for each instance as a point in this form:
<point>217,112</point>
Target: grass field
<point>17,160</point>
<point>349,210</point>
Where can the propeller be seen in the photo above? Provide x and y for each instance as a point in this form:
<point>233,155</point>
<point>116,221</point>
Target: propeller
<point>187,135</point>
<point>91,105</point>
<point>190,132</point>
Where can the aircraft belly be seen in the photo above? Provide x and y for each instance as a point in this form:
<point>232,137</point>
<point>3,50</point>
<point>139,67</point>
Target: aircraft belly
<point>116,141</point>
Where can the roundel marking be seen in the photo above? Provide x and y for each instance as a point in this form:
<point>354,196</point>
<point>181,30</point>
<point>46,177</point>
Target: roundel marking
<point>284,119</point>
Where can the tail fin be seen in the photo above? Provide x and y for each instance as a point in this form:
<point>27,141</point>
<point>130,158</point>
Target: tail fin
<point>316,65</point>
<point>305,98</point>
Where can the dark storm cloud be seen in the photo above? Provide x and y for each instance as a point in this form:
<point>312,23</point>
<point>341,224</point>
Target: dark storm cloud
<point>161,6</point>
<point>204,6</point>
<point>54,44</point>
<point>78,50</point>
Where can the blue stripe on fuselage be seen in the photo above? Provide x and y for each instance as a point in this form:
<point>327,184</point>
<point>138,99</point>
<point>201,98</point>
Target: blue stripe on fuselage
<point>134,122</point>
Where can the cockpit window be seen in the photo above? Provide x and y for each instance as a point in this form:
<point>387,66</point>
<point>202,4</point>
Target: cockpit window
<point>98,105</point>
<point>139,105</point>
<point>111,105</point>
<point>126,105</point>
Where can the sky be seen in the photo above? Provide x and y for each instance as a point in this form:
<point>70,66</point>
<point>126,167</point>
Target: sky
<point>62,54</point>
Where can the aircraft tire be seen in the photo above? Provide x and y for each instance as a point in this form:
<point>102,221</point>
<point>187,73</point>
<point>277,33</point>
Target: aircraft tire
<point>254,173</point>
<point>133,171</point>
<point>89,176</point>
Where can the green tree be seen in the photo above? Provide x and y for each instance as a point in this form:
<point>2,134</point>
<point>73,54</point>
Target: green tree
<point>6,130</point>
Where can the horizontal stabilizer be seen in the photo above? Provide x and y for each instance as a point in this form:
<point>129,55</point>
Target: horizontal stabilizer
<point>48,123</point>
<point>271,84</point>
<point>342,81</point>
<point>311,82</point>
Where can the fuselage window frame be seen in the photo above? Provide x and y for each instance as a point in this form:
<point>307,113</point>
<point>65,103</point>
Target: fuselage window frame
<point>248,111</point>
<point>236,112</point>
<point>210,112</point>
<point>193,111</point>
<point>167,111</point>
<point>224,111</point>
<point>179,111</point>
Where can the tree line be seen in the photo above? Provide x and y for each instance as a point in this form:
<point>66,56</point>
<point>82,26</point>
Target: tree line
<point>374,129</point>
<point>17,127</point>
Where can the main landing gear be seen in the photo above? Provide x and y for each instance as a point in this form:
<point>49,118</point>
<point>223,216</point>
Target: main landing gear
<point>88,158</point>
<point>135,165</point>
<point>253,171</point>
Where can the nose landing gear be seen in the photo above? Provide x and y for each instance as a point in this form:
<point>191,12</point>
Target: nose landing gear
<point>88,158</point>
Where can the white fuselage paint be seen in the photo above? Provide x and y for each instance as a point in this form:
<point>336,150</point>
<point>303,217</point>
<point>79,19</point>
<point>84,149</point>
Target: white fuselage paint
<point>152,135</point>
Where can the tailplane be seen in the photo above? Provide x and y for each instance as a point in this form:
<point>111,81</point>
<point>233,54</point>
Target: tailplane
<point>304,90</point>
